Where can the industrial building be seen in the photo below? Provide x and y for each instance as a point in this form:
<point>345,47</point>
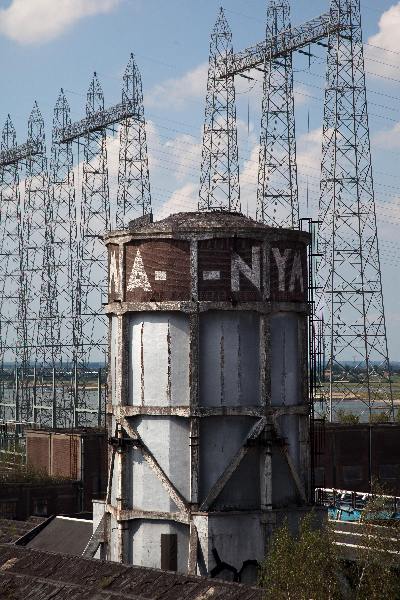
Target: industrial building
<point>359,458</point>
<point>208,409</point>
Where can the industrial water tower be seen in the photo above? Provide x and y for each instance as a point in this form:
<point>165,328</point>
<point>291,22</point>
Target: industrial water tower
<point>208,410</point>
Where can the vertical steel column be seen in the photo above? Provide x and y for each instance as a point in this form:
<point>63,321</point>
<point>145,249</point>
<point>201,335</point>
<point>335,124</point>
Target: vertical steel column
<point>94,222</point>
<point>349,289</point>
<point>134,198</point>
<point>12,288</point>
<point>219,181</point>
<point>277,193</point>
<point>38,265</point>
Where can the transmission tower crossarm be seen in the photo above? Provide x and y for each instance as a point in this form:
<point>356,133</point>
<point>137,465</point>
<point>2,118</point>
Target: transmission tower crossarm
<point>281,45</point>
<point>97,122</point>
<point>19,153</point>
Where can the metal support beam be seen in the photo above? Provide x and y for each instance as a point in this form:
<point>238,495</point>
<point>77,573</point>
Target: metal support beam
<point>98,121</point>
<point>179,500</point>
<point>215,491</point>
<point>19,153</point>
<point>98,537</point>
<point>283,44</point>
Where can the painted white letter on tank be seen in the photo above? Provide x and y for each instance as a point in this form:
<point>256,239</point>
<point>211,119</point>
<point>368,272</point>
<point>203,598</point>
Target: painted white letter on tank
<point>239,266</point>
<point>297,273</point>
<point>138,278</point>
<point>281,264</point>
<point>113,277</point>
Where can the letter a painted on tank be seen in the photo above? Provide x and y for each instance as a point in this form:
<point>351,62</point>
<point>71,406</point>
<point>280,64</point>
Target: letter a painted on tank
<point>297,273</point>
<point>281,261</point>
<point>113,278</point>
<point>251,273</point>
<point>138,278</point>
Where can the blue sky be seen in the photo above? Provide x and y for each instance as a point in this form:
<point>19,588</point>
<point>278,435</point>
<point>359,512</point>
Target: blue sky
<point>49,44</point>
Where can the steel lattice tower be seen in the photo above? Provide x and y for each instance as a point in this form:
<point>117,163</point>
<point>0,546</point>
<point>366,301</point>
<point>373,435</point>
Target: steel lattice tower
<point>66,230</point>
<point>65,250</point>
<point>349,276</point>
<point>134,198</point>
<point>277,193</point>
<point>10,240</point>
<point>94,222</point>
<point>219,181</point>
<point>13,340</point>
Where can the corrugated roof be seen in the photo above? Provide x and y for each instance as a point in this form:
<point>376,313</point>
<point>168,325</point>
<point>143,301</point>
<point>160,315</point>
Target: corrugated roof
<point>31,574</point>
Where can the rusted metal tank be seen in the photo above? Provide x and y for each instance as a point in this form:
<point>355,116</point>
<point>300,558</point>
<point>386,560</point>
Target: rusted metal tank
<point>208,391</point>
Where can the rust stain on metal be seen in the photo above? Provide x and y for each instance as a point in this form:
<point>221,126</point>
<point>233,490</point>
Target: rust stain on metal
<point>169,362</point>
<point>222,364</point>
<point>239,380</point>
<point>142,363</point>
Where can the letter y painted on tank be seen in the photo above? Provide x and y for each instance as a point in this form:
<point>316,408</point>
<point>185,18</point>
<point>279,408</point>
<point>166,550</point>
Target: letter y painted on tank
<point>281,261</point>
<point>138,278</point>
<point>297,273</point>
<point>251,273</point>
<point>114,284</point>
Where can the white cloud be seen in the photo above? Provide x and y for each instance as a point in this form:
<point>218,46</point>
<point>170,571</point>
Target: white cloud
<point>184,199</point>
<point>248,183</point>
<point>389,138</point>
<point>175,93</point>
<point>185,151</point>
<point>388,38</point>
<point>309,150</point>
<point>33,21</point>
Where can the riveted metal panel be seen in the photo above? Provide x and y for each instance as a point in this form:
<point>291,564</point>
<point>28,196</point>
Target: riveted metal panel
<point>229,359</point>
<point>159,359</point>
<point>221,438</point>
<point>286,376</point>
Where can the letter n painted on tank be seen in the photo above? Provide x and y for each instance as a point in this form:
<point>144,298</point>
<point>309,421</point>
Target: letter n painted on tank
<point>252,273</point>
<point>297,273</point>
<point>281,261</point>
<point>138,278</point>
<point>114,283</point>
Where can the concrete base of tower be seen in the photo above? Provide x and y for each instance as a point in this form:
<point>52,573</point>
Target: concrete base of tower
<point>226,545</point>
<point>232,544</point>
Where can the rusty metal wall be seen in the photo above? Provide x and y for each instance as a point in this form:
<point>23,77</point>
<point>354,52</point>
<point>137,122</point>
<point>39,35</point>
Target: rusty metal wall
<point>353,457</point>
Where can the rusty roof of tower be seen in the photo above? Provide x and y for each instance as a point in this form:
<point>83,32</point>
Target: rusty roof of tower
<point>185,223</point>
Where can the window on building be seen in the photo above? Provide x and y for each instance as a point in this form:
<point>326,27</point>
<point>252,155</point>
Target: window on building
<point>40,507</point>
<point>169,552</point>
<point>389,471</point>
<point>8,510</point>
<point>352,473</point>
<point>319,474</point>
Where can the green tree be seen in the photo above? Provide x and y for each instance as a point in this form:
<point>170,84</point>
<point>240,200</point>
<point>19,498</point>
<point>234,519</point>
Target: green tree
<point>301,567</point>
<point>375,572</point>
<point>379,417</point>
<point>347,418</point>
